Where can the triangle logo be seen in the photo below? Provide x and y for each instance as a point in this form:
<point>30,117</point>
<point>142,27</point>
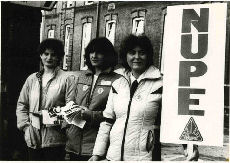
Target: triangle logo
<point>191,132</point>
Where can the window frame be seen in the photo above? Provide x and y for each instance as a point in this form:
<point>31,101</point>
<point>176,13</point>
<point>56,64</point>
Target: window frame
<point>69,4</point>
<point>88,3</point>
<point>84,43</point>
<point>53,33</point>
<point>134,29</point>
<point>66,46</point>
<point>106,30</point>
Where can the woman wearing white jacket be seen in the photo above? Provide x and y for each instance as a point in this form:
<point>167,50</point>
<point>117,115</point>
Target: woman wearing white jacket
<point>133,108</point>
<point>42,91</point>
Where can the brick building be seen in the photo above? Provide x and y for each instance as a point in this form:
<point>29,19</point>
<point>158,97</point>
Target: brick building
<point>77,22</point>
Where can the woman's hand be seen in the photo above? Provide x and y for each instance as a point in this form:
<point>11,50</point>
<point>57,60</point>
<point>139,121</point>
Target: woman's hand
<point>86,114</point>
<point>83,108</point>
<point>25,128</point>
<point>95,158</point>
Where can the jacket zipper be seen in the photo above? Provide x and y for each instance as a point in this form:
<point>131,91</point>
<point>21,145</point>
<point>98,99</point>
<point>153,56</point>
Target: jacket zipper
<point>88,103</point>
<point>126,124</point>
<point>89,98</point>
<point>40,98</point>
<point>91,94</point>
<point>39,108</point>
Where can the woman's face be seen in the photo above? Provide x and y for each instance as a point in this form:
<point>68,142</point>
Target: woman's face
<point>96,59</point>
<point>49,59</point>
<point>137,60</point>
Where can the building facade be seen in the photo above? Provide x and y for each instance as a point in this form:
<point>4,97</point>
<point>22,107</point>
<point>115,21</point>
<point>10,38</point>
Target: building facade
<point>78,22</point>
<point>75,23</point>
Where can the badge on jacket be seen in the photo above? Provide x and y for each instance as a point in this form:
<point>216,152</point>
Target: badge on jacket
<point>139,98</point>
<point>85,87</point>
<point>100,90</point>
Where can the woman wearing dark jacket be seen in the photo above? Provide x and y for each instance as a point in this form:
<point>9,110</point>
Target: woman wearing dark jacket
<point>92,90</point>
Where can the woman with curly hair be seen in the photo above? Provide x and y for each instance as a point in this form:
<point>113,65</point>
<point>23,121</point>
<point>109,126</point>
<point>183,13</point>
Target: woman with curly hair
<point>130,131</point>
<point>42,91</point>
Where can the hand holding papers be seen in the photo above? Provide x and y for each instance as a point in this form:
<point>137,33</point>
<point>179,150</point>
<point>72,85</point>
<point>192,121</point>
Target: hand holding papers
<point>47,119</point>
<point>71,113</point>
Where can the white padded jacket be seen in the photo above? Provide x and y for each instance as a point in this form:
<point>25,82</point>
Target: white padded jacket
<point>144,110</point>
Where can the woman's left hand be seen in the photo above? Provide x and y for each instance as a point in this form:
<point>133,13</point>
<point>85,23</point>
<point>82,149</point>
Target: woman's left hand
<point>86,114</point>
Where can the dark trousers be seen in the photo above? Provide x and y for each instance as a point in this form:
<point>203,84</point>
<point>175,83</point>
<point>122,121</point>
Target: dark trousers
<point>156,155</point>
<point>47,154</point>
<point>75,157</point>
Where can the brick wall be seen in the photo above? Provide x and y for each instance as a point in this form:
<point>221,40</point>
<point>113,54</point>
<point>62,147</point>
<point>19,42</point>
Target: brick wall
<point>125,10</point>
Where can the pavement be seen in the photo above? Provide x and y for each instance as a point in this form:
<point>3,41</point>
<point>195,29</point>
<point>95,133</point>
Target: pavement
<point>171,152</point>
<point>174,152</point>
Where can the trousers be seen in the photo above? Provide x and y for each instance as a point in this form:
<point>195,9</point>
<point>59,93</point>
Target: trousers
<point>47,154</point>
<point>75,157</point>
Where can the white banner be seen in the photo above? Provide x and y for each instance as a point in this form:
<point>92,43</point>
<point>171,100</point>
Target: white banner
<point>193,94</point>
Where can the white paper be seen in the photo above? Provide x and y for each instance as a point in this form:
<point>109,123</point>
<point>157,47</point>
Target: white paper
<point>46,119</point>
<point>71,112</point>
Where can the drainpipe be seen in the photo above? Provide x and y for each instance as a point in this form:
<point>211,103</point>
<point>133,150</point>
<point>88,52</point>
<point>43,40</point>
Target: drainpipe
<point>71,63</point>
<point>98,18</point>
<point>42,24</point>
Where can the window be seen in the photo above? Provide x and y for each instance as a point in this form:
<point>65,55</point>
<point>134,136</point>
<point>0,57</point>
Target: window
<point>50,33</point>
<point>88,2</point>
<point>55,9</point>
<point>138,20</point>
<point>110,26</point>
<point>86,37</point>
<point>67,39</point>
<point>69,4</point>
<point>110,30</point>
<point>138,26</point>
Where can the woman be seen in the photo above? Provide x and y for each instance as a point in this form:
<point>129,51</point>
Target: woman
<point>42,91</point>
<point>92,91</point>
<point>133,107</point>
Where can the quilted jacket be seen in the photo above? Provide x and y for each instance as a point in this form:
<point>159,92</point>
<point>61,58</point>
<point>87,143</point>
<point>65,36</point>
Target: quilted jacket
<point>144,112</point>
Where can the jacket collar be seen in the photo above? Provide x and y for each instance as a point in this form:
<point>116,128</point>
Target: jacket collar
<point>151,73</point>
<point>40,73</point>
<point>106,71</point>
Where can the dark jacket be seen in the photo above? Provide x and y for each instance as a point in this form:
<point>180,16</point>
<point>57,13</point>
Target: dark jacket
<point>81,141</point>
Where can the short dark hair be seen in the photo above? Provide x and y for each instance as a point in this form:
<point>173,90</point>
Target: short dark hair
<point>132,41</point>
<point>103,46</point>
<point>54,44</point>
